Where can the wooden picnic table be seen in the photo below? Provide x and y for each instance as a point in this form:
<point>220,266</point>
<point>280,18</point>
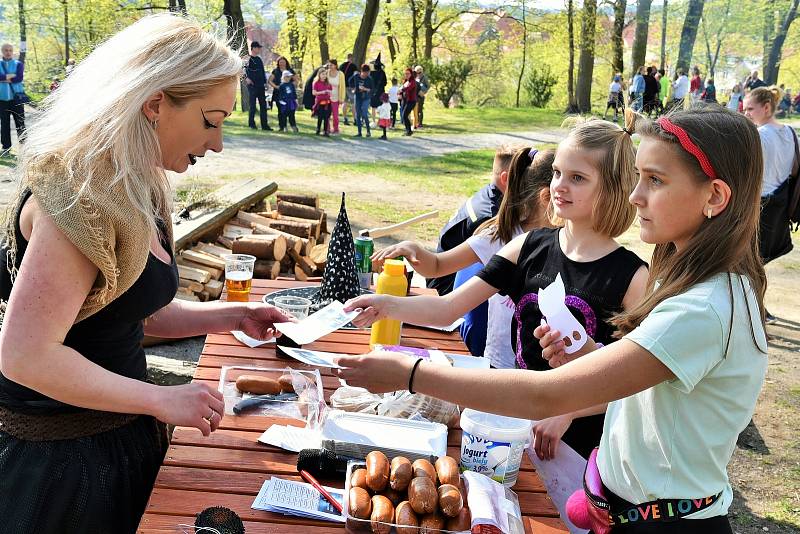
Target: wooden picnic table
<point>229,467</point>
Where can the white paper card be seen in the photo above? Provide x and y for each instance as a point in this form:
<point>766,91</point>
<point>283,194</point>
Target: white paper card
<point>291,438</point>
<point>552,303</point>
<point>562,476</point>
<point>249,341</point>
<point>329,319</point>
<point>313,357</point>
<point>298,498</point>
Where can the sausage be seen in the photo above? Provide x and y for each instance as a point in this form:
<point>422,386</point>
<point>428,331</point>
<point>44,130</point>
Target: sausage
<point>424,468</point>
<point>382,512</point>
<point>461,522</point>
<point>447,470</point>
<point>359,479</point>
<point>286,383</point>
<point>404,515</point>
<point>450,500</point>
<point>422,495</point>
<point>431,523</point>
<point>359,503</point>
<point>258,385</point>
<point>401,473</point>
<point>377,471</point>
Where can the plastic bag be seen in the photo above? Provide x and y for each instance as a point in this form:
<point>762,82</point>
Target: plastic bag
<point>400,404</point>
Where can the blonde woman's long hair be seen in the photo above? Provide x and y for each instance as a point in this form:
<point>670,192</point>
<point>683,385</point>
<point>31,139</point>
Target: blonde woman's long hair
<point>93,125</point>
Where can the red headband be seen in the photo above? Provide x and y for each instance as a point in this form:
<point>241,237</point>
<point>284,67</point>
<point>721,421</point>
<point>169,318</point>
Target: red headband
<point>688,145</point>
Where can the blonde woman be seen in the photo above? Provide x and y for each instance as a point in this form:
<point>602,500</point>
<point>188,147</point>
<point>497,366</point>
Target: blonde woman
<point>92,270</point>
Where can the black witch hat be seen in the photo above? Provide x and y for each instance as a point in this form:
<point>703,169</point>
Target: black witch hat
<point>340,278</point>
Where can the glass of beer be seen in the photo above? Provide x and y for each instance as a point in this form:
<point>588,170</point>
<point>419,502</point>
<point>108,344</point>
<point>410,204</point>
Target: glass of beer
<point>239,276</point>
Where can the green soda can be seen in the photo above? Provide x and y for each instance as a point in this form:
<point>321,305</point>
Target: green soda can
<point>365,246</point>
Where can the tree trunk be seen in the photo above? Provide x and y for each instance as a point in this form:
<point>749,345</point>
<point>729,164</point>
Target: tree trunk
<point>719,36</point>
<point>414,29</point>
<point>639,50</point>
<point>572,106</point>
<point>769,30</point>
<point>232,10</point>
<point>773,64</point>
<point>293,34</point>
<point>391,41</point>
<point>583,91</point>
<point>664,36</point>
<point>688,34</point>
<point>427,25</point>
<point>322,31</point>
<point>616,37</point>
<point>524,52</point>
<point>365,30</point>
<point>23,32</point>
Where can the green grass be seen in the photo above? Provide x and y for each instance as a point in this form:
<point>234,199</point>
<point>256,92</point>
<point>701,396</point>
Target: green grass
<point>438,120</point>
<point>786,512</point>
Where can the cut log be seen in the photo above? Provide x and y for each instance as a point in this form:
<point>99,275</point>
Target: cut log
<point>300,229</point>
<point>253,218</point>
<point>191,285</point>
<point>204,259</point>
<point>267,269</point>
<point>226,242</point>
<point>230,199</point>
<point>215,250</point>
<point>300,210</point>
<point>299,274</point>
<point>297,198</point>
<point>204,296</point>
<point>190,273</point>
<point>307,265</point>
<point>233,231</point>
<point>268,247</point>
<point>319,255</point>
<point>191,298</point>
<point>214,288</point>
<point>323,225</point>
<point>316,224</point>
<point>216,274</point>
<point>299,244</point>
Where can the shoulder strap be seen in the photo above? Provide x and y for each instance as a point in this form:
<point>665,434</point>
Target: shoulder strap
<point>796,164</point>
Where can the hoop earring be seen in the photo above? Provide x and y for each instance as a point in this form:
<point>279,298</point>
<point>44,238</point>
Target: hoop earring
<point>708,213</point>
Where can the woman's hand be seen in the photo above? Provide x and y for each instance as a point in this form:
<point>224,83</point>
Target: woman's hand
<point>408,249</point>
<point>547,435</point>
<point>552,345</point>
<point>197,405</point>
<point>379,372</point>
<point>373,308</point>
<point>259,321</point>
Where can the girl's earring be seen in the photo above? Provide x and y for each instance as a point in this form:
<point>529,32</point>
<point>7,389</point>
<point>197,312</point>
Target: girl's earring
<point>708,213</point>
<point>154,123</point>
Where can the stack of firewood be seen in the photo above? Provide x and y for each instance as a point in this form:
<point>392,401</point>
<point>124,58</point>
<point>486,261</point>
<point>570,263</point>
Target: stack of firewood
<point>201,270</point>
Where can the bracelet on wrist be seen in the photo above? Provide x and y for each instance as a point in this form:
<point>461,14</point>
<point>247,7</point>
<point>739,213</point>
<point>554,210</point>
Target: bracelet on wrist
<point>411,376</point>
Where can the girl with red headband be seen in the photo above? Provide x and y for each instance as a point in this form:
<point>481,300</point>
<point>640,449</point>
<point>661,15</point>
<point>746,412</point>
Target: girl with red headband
<point>688,371</point>
<point>593,174</point>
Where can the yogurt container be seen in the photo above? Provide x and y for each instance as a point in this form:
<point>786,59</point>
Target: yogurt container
<point>493,445</point>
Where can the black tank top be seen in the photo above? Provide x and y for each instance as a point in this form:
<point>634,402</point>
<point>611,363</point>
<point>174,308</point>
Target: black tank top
<point>594,293</point>
<point>112,337</point>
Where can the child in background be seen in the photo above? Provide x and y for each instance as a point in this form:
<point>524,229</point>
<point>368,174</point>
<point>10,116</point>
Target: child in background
<point>524,208</point>
<point>322,100</point>
<point>394,100</point>
<point>684,380</point>
<point>593,174</point>
<point>710,92</point>
<point>615,97</point>
<point>384,114</point>
<point>287,102</point>
<point>736,98</point>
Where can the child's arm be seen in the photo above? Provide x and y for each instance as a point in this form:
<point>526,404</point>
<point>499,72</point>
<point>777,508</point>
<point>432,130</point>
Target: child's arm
<point>426,263</point>
<point>431,310</point>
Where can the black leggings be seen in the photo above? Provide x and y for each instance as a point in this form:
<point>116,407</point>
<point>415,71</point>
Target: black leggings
<point>408,108</point>
<point>323,114</point>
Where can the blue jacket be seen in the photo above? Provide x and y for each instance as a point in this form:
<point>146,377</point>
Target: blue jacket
<point>638,84</point>
<point>12,66</point>
<point>287,97</point>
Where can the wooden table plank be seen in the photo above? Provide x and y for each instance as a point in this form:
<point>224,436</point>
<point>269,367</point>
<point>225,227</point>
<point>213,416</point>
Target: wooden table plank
<point>229,467</point>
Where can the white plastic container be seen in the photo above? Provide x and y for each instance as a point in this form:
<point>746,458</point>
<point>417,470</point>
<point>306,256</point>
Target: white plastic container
<point>493,445</point>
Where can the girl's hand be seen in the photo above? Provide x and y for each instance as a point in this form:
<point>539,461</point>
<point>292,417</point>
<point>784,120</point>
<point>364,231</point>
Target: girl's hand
<point>552,345</point>
<point>379,372</point>
<point>547,435</point>
<point>374,308</point>
<point>408,249</point>
<point>259,321</point>
<point>197,405</point>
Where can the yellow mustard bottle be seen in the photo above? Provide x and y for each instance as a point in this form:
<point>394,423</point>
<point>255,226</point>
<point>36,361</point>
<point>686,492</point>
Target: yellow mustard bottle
<point>392,281</point>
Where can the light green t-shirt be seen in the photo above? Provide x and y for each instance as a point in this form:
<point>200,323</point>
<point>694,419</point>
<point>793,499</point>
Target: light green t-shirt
<point>674,440</point>
<point>664,82</point>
